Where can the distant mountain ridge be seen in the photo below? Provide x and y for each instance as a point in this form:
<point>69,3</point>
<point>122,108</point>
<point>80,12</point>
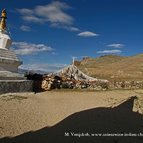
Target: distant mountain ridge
<point>24,71</point>
<point>113,67</point>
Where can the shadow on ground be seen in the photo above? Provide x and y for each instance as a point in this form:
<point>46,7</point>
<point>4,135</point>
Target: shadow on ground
<point>120,119</point>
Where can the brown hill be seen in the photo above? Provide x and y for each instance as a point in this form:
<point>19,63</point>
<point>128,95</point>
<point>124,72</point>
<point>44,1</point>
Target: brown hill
<point>113,67</point>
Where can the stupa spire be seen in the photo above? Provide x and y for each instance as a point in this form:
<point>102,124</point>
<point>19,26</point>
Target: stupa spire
<point>3,20</point>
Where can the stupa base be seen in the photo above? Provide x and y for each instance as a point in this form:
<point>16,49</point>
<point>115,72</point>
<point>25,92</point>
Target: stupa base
<point>9,86</point>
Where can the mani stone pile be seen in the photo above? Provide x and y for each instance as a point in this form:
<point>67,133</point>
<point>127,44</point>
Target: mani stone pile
<point>56,82</point>
<point>71,77</point>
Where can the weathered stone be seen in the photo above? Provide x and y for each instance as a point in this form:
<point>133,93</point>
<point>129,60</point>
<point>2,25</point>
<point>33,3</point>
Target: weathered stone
<point>15,86</point>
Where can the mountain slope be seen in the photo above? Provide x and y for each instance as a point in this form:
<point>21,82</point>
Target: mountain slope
<point>113,67</point>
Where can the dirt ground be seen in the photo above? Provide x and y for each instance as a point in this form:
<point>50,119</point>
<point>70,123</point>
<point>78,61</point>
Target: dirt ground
<point>60,111</point>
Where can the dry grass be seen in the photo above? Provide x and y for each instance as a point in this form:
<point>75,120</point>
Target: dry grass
<point>113,67</point>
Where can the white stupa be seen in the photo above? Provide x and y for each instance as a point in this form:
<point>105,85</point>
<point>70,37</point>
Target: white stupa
<point>8,60</point>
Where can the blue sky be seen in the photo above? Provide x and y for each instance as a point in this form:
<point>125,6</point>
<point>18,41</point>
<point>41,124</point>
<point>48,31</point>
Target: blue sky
<point>47,34</point>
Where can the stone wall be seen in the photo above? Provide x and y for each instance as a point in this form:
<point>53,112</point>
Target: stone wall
<point>16,86</point>
<point>126,84</point>
<point>49,83</point>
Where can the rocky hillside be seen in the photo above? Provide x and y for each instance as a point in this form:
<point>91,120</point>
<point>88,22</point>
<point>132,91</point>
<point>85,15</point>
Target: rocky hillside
<point>113,67</point>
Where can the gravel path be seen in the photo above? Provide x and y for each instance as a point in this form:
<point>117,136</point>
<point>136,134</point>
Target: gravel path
<point>23,112</point>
